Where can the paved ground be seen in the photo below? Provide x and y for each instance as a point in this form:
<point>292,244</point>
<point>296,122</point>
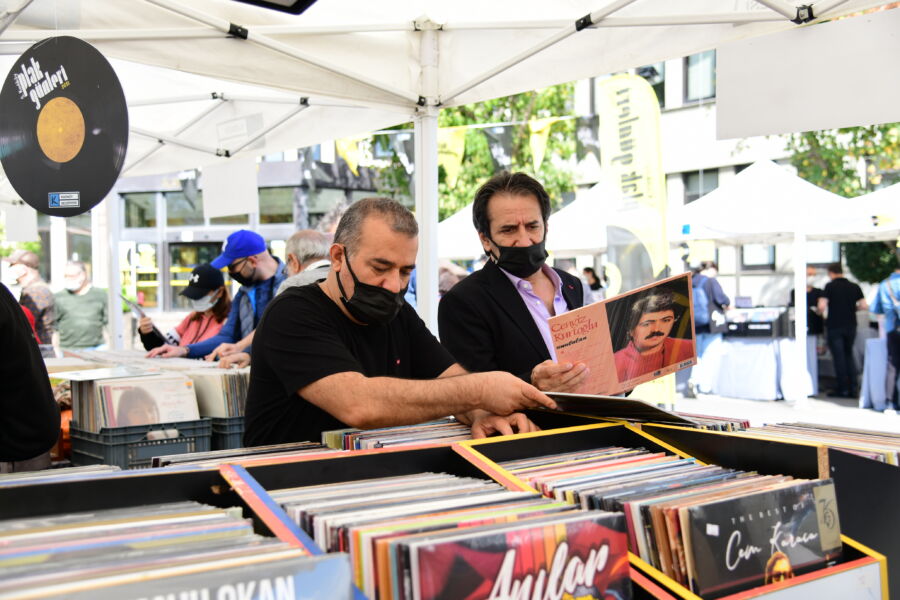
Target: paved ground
<point>831,411</point>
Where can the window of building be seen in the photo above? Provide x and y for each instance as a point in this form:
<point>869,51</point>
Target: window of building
<point>700,76</point>
<point>655,75</point>
<point>184,209</point>
<point>699,183</point>
<point>230,220</point>
<point>183,257</point>
<point>140,273</point>
<point>276,205</point>
<point>757,257</point>
<point>139,209</point>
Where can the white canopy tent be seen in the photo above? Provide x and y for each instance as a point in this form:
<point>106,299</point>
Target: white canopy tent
<point>766,203</point>
<point>457,237</point>
<point>404,56</point>
<point>875,217</point>
<point>580,227</point>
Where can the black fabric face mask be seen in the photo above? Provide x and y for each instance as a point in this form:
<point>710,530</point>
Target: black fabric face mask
<point>370,304</point>
<point>242,279</point>
<point>521,261</point>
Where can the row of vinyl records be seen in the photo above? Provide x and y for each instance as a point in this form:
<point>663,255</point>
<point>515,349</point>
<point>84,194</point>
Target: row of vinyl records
<point>430,535</point>
<point>125,397</point>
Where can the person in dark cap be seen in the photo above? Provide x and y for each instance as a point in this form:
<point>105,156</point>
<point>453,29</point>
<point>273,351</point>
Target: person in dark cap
<point>211,302</point>
<point>259,273</point>
<point>36,295</point>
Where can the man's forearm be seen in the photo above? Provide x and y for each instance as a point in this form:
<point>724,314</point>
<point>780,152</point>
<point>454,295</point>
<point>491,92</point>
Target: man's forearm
<point>367,403</point>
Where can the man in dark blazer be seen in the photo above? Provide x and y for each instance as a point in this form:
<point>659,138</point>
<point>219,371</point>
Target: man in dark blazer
<point>496,318</point>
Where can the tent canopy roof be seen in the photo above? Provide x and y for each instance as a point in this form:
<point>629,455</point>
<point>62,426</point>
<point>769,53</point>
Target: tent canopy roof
<point>395,57</point>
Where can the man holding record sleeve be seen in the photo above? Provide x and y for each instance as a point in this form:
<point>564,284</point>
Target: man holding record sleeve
<point>497,318</point>
<point>349,351</point>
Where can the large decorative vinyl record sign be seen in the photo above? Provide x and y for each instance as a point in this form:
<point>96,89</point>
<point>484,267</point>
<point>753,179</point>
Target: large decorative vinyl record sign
<point>63,126</point>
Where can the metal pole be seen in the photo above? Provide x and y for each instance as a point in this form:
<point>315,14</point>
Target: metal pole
<point>426,187</point>
<point>800,355</point>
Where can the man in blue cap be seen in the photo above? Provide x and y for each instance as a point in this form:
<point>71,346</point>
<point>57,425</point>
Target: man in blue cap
<point>259,273</point>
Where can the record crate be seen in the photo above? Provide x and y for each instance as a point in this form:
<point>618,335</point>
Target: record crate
<point>861,572</point>
<point>227,433</point>
<point>134,447</point>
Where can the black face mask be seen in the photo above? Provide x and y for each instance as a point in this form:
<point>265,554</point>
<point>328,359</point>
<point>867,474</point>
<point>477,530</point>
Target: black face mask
<point>242,279</point>
<point>521,261</point>
<point>370,304</point>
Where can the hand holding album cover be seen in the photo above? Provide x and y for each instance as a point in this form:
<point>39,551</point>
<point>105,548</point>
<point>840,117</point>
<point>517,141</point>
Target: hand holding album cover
<point>629,339</point>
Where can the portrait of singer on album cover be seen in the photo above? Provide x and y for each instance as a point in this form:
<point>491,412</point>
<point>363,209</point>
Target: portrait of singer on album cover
<point>136,407</point>
<point>651,330</point>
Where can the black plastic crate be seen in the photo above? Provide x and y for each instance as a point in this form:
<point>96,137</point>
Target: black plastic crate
<point>134,447</point>
<point>227,433</point>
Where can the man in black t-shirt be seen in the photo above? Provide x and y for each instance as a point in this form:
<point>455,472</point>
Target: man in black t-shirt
<point>841,301</point>
<point>350,352</point>
<point>30,423</point>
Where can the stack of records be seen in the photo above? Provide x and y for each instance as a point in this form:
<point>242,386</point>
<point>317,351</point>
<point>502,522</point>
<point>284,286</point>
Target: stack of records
<point>715,530</point>
<point>445,430</point>
<point>882,446</point>
<point>131,552</point>
<point>123,397</point>
<point>54,475</point>
<point>138,359</point>
<point>715,423</point>
<point>221,392</point>
<point>278,452</point>
<point>429,535</point>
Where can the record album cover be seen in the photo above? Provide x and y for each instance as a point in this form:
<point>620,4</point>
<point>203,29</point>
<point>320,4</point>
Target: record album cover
<point>764,537</point>
<point>583,557</point>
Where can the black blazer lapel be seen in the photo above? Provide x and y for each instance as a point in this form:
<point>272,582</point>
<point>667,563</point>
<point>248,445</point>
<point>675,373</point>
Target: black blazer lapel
<point>572,291</point>
<point>510,302</point>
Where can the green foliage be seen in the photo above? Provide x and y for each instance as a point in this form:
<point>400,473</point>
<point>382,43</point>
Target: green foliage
<point>830,160</point>
<point>870,261</point>
<point>556,101</point>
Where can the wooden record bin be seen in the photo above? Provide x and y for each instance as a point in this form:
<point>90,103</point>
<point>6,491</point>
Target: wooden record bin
<point>861,572</point>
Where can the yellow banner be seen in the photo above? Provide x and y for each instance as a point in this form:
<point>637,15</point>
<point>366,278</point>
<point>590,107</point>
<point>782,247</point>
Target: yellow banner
<point>451,150</point>
<point>631,167</point>
<point>539,130</point>
<point>631,161</point>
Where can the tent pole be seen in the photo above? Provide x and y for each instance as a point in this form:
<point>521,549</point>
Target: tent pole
<point>737,270</point>
<point>554,39</point>
<point>271,127</point>
<point>168,139</point>
<point>426,184</point>
<point>9,16</point>
<point>779,7</point>
<point>178,132</point>
<point>800,355</point>
<point>276,46</point>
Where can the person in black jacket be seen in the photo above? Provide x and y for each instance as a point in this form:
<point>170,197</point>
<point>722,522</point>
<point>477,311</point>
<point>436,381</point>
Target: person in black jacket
<point>30,423</point>
<point>496,318</point>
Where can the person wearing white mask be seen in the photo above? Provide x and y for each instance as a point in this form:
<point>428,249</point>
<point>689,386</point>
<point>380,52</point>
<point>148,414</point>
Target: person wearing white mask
<point>211,304</point>
<point>81,313</point>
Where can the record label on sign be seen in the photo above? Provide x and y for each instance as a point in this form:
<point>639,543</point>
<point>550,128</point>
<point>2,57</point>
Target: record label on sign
<point>63,126</point>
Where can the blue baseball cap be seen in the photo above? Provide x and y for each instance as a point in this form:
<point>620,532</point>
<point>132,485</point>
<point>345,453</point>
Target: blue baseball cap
<point>240,244</point>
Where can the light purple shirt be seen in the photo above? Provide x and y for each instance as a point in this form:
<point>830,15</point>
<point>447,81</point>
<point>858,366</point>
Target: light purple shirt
<point>536,306</point>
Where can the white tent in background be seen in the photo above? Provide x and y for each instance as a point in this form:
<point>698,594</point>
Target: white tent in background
<point>763,203</point>
<point>410,57</point>
<point>580,227</point>
<point>457,237</point>
<point>875,216</point>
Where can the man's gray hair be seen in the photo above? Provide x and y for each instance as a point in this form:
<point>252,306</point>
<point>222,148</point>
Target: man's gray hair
<point>397,216</point>
<point>307,245</point>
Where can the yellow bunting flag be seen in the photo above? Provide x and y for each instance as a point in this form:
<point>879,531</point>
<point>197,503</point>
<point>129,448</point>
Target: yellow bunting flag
<point>348,149</point>
<point>540,131</point>
<point>451,150</point>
